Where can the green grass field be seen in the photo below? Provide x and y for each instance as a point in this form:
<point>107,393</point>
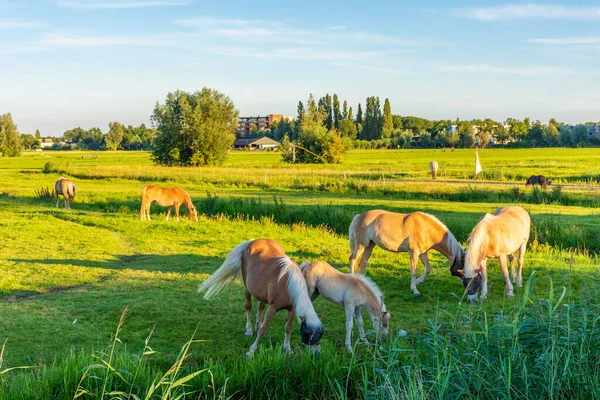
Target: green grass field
<point>66,276</point>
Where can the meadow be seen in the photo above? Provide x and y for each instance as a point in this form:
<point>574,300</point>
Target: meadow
<point>98,304</point>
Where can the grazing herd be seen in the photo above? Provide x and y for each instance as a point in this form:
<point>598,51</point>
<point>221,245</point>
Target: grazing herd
<point>278,283</point>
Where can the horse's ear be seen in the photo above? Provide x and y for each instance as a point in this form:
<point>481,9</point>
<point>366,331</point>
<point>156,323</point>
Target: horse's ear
<point>384,313</point>
<point>303,320</point>
<point>320,315</point>
<point>462,256</point>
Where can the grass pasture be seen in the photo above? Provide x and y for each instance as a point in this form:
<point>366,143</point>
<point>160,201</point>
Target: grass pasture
<point>66,277</point>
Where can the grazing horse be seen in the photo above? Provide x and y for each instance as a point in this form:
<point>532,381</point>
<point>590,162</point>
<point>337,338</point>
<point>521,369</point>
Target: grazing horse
<point>272,278</point>
<point>65,187</point>
<point>350,291</point>
<point>415,233</point>
<point>172,198</point>
<point>500,235</point>
<point>433,167</point>
<point>538,180</point>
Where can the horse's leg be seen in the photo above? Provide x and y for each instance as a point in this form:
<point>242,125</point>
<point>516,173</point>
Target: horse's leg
<point>263,328</point>
<point>355,254</point>
<point>259,314</point>
<point>425,261</point>
<point>414,261</point>
<point>349,315</point>
<point>169,213</point>
<point>57,199</point>
<point>483,280</point>
<point>513,274</point>
<point>365,257</point>
<point>521,262</point>
<point>148,211</point>
<point>504,266</point>
<point>65,200</point>
<point>177,211</point>
<point>248,311</point>
<point>361,327</point>
<point>288,331</point>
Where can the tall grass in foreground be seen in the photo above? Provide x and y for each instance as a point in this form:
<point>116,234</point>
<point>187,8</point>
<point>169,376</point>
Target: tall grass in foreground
<point>545,347</point>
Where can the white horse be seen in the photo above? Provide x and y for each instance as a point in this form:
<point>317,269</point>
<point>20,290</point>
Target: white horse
<point>350,291</point>
<point>499,235</point>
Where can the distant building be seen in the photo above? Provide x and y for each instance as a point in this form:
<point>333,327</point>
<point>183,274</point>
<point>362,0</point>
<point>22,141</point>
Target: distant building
<point>46,143</point>
<point>263,143</point>
<point>247,124</point>
<point>593,130</point>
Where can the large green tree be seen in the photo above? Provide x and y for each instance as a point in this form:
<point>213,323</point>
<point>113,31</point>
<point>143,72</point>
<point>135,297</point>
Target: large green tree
<point>388,120</point>
<point>373,124</point>
<point>114,137</point>
<point>337,115</point>
<point>194,128</point>
<point>10,143</point>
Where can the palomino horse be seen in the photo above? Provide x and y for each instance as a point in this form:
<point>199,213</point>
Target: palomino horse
<point>415,233</point>
<point>65,187</point>
<point>350,291</point>
<point>272,278</point>
<point>173,198</point>
<point>499,235</point>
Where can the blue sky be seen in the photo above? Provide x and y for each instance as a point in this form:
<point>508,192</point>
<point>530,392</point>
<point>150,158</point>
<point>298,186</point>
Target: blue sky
<point>68,63</point>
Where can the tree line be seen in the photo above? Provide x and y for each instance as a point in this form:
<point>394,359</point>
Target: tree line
<point>379,128</point>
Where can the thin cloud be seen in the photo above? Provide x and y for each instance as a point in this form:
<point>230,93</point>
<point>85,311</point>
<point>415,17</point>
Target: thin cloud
<point>523,71</point>
<point>209,21</point>
<point>530,11</point>
<point>94,5</point>
<point>567,41</point>
<point>385,70</point>
<point>259,31</point>
<point>70,41</point>
<point>19,24</point>
<point>297,53</point>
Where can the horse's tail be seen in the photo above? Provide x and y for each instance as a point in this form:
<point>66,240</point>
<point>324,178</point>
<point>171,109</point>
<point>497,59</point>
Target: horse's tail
<point>229,270</point>
<point>351,236</point>
<point>71,189</point>
<point>298,292</point>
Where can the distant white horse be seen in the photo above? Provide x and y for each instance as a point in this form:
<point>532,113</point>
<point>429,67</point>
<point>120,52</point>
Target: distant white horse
<point>349,290</point>
<point>433,167</point>
<point>66,188</point>
<point>499,235</point>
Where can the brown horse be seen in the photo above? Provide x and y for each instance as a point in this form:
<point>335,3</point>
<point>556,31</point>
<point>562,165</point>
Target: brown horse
<point>415,233</point>
<point>499,235</point>
<point>65,187</point>
<point>272,278</point>
<point>352,291</point>
<point>173,198</point>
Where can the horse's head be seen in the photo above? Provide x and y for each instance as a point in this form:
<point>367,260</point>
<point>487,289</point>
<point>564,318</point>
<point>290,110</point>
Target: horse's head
<point>458,265</point>
<point>385,319</point>
<point>472,285</point>
<point>311,335</point>
<point>192,212</point>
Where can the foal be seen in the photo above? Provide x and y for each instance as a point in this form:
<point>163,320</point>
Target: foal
<point>65,187</point>
<point>173,198</point>
<point>350,291</point>
<point>272,278</point>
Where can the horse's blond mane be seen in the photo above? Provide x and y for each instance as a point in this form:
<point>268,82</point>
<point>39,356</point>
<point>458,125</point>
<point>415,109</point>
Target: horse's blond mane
<point>475,249</point>
<point>371,286</point>
<point>451,242</point>
<point>297,290</point>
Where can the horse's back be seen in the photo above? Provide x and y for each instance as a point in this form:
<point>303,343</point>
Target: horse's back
<point>63,186</point>
<point>261,269</point>
<point>513,223</point>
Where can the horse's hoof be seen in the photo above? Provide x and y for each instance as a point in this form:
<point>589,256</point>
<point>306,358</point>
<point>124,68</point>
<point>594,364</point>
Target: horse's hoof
<point>249,354</point>
<point>364,341</point>
<point>249,334</point>
<point>349,348</point>
<point>510,295</point>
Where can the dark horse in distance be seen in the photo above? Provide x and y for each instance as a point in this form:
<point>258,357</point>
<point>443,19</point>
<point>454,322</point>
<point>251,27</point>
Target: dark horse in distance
<point>538,180</point>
